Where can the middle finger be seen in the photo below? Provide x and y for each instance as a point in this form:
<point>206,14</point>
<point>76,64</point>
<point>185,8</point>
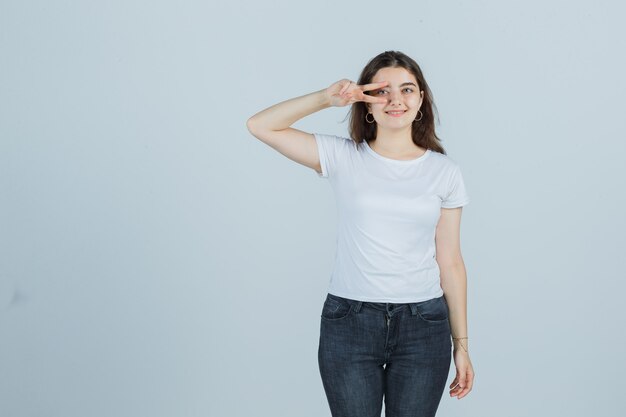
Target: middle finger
<point>372,99</point>
<point>464,392</point>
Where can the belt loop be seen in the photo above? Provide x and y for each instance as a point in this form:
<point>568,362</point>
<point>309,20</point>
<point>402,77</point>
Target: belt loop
<point>413,308</point>
<point>357,306</point>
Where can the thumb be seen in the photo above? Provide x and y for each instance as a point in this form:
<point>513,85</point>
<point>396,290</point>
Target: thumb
<point>345,87</point>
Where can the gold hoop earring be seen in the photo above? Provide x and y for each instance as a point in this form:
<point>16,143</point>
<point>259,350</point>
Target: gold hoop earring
<point>368,120</point>
<point>422,115</point>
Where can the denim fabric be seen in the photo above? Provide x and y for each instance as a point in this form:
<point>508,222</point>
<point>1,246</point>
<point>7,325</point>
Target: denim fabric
<point>369,351</point>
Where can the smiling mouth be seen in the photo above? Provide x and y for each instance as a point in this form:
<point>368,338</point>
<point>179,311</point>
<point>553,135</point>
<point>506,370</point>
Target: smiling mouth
<point>396,113</point>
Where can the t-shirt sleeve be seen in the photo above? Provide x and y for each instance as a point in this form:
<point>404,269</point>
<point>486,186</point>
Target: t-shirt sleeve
<point>457,193</point>
<point>330,149</point>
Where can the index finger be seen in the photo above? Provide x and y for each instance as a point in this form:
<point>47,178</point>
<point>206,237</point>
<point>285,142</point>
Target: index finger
<point>372,86</point>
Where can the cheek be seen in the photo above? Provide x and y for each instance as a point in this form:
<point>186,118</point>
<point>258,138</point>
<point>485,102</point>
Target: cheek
<point>414,101</point>
<point>377,107</point>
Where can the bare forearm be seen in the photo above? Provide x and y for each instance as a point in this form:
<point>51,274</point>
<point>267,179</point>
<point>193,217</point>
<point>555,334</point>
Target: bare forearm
<point>284,114</point>
<point>454,285</point>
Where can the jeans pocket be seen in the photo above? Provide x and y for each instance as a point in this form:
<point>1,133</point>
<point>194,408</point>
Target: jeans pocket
<point>335,308</point>
<point>434,310</point>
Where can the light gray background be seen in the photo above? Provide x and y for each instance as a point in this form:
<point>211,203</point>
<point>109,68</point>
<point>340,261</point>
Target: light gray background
<point>158,260</point>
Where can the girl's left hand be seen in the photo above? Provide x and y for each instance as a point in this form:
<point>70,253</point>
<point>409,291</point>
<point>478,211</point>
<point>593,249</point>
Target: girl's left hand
<point>464,381</point>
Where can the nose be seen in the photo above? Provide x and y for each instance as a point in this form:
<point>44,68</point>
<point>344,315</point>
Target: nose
<point>395,98</point>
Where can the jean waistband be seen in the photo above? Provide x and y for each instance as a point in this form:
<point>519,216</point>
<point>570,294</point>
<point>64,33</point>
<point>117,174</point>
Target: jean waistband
<point>387,307</point>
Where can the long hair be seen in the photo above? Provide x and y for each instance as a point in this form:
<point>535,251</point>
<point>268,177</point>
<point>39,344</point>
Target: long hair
<point>423,131</point>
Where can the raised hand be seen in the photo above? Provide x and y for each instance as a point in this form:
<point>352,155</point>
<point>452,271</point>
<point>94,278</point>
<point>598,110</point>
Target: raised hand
<point>345,92</point>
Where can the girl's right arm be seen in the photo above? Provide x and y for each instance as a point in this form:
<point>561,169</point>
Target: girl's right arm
<point>272,125</point>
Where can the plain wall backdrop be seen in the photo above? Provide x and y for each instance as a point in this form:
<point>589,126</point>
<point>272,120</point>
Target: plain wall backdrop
<point>158,260</point>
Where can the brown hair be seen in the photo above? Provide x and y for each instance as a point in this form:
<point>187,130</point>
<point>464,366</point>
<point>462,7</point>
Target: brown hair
<point>423,131</point>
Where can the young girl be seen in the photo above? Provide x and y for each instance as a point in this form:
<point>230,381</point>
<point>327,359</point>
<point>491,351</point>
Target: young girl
<point>398,291</point>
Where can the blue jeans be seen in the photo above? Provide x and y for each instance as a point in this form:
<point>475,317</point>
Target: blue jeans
<point>411,340</point>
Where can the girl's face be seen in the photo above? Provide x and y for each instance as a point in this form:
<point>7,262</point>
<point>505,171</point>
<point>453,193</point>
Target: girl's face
<point>402,94</point>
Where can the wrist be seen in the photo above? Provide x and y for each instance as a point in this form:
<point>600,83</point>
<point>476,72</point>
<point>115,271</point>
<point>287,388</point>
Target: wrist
<point>460,344</point>
<point>324,99</point>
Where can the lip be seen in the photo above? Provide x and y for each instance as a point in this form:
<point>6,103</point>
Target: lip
<point>396,115</point>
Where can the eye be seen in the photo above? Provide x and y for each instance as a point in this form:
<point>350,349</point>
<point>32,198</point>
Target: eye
<point>409,88</point>
<point>380,91</point>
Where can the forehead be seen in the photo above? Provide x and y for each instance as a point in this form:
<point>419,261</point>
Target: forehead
<point>395,76</point>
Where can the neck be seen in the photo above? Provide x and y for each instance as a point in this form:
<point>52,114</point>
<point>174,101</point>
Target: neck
<point>397,141</point>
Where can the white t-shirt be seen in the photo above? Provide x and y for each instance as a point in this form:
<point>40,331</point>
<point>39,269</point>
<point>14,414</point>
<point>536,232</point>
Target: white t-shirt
<point>387,212</point>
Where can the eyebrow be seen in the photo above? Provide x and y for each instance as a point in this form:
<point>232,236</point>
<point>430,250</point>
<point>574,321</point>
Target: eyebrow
<point>403,84</point>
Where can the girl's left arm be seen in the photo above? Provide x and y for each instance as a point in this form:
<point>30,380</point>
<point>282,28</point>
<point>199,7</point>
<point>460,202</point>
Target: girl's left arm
<point>454,285</point>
